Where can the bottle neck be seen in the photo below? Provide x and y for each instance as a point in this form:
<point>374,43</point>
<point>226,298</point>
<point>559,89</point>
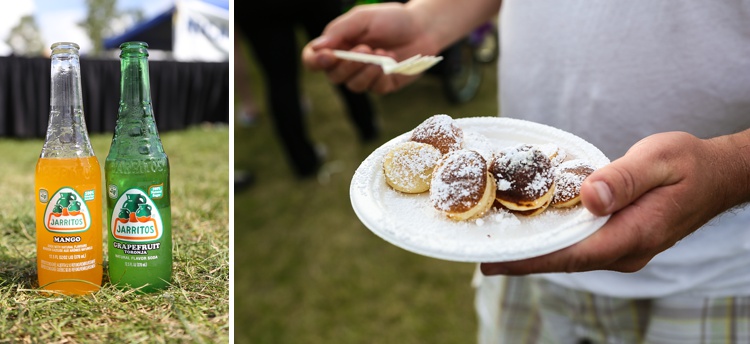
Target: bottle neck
<point>65,87</point>
<point>136,136</point>
<point>67,135</point>
<point>135,92</point>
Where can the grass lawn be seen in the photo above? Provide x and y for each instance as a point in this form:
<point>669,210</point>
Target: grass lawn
<point>195,309</point>
<point>306,269</point>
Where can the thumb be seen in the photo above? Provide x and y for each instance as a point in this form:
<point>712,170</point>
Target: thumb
<point>338,34</point>
<point>343,32</point>
<point>621,182</point>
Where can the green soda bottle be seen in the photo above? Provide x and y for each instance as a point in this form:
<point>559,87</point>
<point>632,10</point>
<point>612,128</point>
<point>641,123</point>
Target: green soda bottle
<point>137,180</point>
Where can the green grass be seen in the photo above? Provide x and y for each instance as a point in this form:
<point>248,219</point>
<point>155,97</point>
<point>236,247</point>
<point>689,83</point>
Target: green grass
<point>194,309</point>
<point>306,269</point>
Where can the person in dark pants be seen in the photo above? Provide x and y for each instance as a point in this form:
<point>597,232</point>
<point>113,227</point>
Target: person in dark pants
<point>272,28</point>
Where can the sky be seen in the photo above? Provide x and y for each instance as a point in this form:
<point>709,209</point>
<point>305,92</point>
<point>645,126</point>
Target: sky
<point>57,18</point>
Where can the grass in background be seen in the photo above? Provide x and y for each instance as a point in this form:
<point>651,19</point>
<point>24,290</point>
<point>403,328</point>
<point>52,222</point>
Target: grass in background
<point>306,269</point>
<point>194,309</point>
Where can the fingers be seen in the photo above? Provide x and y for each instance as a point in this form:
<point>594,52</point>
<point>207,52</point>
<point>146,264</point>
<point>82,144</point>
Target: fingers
<point>361,77</point>
<point>357,76</point>
<point>654,199</point>
<point>609,248</point>
<point>317,55</point>
<point>618,184</point>
<point>350,27</point>
<point>317,60</point>
<point>365,77</point>
<point>388,26</point>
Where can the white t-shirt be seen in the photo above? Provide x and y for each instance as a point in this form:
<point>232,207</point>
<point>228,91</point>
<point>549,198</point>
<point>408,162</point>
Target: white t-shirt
<point>614,72</point>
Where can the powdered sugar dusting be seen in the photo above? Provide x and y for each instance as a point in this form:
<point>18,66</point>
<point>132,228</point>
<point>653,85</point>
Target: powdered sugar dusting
<point>440,131</point>
<point>412,223</point>
<point>459,181</point>
<point>480,144</point>
<point>556,154</point>
<point>569,176</point>
<point>524,169</point>
<point>504,185</point>
<point>411,164</point>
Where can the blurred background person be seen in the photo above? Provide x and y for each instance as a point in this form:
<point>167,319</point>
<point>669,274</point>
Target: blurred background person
<point>649,275</point>
<point>246,108</point>
<point>271,28</point>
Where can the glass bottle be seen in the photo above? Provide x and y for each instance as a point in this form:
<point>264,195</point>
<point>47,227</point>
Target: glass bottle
<point>138,186</point>
<point>68,185</point>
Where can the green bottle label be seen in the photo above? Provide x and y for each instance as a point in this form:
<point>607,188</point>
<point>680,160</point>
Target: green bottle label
<point>66,211</point>
<point>135,218</point>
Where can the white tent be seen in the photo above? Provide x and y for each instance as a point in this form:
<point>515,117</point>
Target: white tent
<point>193,30</point>
<point>201,31</point>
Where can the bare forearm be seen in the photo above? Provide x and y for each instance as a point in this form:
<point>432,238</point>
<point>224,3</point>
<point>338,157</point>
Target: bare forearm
<point>449,20</point>
<point>733,167</point>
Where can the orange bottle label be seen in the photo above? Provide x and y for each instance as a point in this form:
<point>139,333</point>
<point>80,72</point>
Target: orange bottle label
<point>69,224</point>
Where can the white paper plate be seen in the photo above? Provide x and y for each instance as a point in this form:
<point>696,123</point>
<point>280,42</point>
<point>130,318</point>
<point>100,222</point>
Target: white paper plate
<point>411,223</point>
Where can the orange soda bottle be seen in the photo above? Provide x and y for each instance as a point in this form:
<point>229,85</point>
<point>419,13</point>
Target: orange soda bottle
<point>68,185</point>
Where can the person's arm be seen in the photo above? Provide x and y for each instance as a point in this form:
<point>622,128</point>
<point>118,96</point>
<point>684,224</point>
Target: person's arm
<point>665,187</point>
<point>393,29</point>
<point>447,21</point>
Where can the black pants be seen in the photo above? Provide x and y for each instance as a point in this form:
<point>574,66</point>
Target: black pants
<point>272,28</point>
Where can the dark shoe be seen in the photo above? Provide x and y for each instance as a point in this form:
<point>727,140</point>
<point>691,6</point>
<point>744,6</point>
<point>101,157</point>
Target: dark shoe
<point>321,154</point>
<point>243,180</point>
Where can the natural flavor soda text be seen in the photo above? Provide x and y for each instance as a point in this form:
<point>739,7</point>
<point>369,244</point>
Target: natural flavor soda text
<point>69,224</point>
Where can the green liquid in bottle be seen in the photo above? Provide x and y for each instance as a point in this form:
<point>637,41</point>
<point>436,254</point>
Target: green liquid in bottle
<point>138,185</point>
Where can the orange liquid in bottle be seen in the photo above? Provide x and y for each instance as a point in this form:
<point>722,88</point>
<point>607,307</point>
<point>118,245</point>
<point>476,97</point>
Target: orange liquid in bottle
<point>69,224</point>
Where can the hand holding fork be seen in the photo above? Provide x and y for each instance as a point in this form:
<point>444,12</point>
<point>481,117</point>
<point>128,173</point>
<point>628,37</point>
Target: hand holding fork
<point>411,66</point>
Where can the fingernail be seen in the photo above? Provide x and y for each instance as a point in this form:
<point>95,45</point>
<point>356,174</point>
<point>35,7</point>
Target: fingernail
<point>318,42</point>
<point>604,193</point>
<point>325,61</point>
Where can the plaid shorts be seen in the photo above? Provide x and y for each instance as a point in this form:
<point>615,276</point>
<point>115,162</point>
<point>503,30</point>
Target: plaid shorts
<point>517,310</point>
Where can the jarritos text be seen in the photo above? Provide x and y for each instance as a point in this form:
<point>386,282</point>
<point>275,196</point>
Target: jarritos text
<point>66,212</point>
<point>135,218</point>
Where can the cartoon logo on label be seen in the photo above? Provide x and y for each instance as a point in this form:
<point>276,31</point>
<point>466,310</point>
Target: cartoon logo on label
<point>136,218</point>
<point>66,212</point>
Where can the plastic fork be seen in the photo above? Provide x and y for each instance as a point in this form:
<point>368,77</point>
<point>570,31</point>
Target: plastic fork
<point>411,66</point>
